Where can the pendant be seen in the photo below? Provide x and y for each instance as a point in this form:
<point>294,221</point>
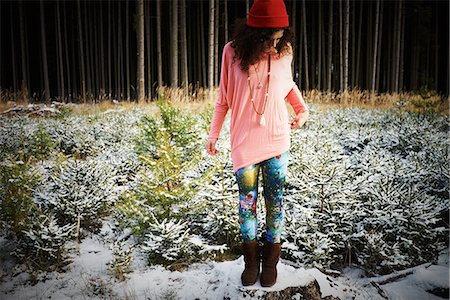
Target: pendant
<point>262,121</point>
<point>259,86</point>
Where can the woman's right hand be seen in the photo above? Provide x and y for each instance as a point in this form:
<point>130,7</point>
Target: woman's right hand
<point>211,146</point>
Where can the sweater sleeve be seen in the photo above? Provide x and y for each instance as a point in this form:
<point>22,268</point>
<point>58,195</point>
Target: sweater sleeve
<point>296,100</point>
<point>221,105</point>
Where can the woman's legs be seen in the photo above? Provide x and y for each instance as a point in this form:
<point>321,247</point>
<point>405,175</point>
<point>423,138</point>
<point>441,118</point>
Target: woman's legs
<point>247,179</point>
<point>274,176</point>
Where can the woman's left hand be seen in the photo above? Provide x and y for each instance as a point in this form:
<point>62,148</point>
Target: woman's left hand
<point>299,120</point>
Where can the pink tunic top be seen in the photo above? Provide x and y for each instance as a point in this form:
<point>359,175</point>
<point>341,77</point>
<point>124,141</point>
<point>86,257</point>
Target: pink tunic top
<point>250,142</point>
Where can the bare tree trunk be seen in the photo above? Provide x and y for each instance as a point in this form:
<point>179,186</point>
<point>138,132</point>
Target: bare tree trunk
<point>44,53</point>
<point>24,55</point>
<point>346,34</point>
<point>149,49</point>
<point>216,44</point>
<point>341,50</point>
<point>88,52</point>
<point>158,42</point>
<point>225,21</point>
<point>380,35</point>
<point>174,44</point>
<point>1,50</point>
<point>60,54</point>
<point>140,52</point>
<point>397,45</point>
<point>319,75</point>
<point>80,39</point>
<point>203,47</point>
<point>305,45</point>
<point>13,52</point>
<point>127,42</point>
<point>330,46</point>
<point>109,51</point>
<point>211,46</point>
<point>300,56</point>
<point>184,58</point>
<point>102,55</point>
<point>402,47</point>
<point>358,54</point>
<point>294,31</point>
<point>374,60</point>
<point>66,56</point>
<point>119,53</point>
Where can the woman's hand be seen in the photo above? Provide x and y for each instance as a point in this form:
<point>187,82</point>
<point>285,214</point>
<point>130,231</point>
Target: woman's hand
<point>299,120</point>
<point>211,146</point>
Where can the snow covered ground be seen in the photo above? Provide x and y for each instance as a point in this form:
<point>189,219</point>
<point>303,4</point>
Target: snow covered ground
<point>377,172</point>
<point>88,278</point>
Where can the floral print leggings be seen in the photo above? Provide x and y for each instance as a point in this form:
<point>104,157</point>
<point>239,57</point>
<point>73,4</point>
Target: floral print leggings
<point>273,176</point>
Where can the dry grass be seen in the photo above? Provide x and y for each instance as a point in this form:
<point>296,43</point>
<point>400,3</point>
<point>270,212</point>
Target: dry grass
<point>429,101</point>
<point>194,99</point>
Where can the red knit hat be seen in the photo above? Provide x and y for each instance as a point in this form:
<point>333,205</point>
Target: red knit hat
<point>268,14</point>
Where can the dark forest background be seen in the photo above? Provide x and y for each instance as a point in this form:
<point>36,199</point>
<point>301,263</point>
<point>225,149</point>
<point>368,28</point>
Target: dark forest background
<point>65,49</point>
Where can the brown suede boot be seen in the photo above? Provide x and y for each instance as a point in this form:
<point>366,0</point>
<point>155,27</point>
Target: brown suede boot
<point>270,256</point>
<point>251,257</point>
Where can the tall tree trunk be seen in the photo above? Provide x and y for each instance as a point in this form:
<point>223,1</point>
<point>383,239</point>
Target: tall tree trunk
<point>60,54</point>
<point>25,88</point>
<point>305,44</point>
<point>300,55</point>
<point>402,47</point>
<point>88,52</point>
<point>13,52</point>
<point>203,54</point>
<point>374,60</point>
<point>294,31</point>
<point>140,52</point>
<point>211,46</point>
<point>119,52</point>
<point>66,56</point>
<point>1,50</point>
<point>225,20</point>
<point>102,56</point>
<point>330,46</point>
<point>247,6</point>
<point>358,53</point>
<point>80,39</point>
<point>158,42</point>
<point>184,58</point>
<point>127,48</point>
<point>341,49</point>
<point>319,50</point>
<point>346,34</point>
<point>174,44</point>
<point>216,44</point>
<point>110,93</point>
<point>380,35</point>
<point>149,49</point>
<point>44,53</point>
<point>398,45</point>
<point>91,52</point>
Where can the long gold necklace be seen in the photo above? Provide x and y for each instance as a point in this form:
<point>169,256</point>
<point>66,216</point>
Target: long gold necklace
<point>262,120</point>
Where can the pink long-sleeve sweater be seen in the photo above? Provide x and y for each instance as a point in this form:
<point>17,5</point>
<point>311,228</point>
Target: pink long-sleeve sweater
<point>250,141</point>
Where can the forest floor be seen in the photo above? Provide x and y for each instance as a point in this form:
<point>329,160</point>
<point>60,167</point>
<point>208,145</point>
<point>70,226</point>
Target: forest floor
<point>87,277</point>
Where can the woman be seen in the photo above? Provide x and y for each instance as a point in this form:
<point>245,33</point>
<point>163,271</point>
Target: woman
<point>256,78</point>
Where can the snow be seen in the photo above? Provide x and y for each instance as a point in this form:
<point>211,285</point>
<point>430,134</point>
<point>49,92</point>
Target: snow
<point>88,277</point>
<point>374,170</point>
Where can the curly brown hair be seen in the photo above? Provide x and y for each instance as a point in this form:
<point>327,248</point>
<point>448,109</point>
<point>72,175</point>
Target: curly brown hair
<point>251,43</point>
